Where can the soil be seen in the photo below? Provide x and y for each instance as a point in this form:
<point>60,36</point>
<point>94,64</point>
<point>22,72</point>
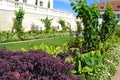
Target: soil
<point>117,74</point>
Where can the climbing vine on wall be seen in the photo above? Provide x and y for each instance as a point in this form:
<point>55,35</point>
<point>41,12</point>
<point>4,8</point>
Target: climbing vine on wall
<point>19,16</point>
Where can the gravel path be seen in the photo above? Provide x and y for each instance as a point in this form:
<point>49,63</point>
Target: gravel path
<point>27,40</point>
<point>117,74</point>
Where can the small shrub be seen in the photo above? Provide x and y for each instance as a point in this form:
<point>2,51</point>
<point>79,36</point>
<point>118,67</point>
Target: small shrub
<point>94,66</point>
<point>47,23</point>
<point>17,26</point>
<point>6,36</point>
<point>33,65</point>
<point>89,15</point>
<point>108,25</point>
<point>62,22</point>
<point>75,43</point>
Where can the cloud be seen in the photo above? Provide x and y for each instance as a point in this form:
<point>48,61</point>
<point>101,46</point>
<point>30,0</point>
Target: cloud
<point>65,1</point>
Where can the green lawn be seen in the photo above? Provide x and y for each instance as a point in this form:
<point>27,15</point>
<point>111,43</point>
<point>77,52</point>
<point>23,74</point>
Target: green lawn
<point>25,45</point>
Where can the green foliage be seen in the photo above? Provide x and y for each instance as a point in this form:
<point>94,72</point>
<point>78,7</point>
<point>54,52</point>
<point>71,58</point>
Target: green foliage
<point>117,32</point>
<point>104,47</point>
<point>47,23</point>
<point>55,41</point>
<point>51,50</point>
<point>17,26</point>
<point>94,66</point>
<point>7,36</point>
<point>89,16</point>
<point>100,64</point>
<point>62,22</point>
<point>78,33</point>
<point>75,43</point>
<point>79,28</point>
<point>108,24</point>
<point>113,59</point>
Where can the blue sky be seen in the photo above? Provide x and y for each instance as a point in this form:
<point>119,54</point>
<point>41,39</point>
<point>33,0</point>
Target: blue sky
<point>64,5</point>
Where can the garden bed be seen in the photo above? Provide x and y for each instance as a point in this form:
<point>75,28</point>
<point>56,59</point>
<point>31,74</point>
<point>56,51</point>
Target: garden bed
<point>11,37</point>
<point>55,41</point>
<point>33,65</point>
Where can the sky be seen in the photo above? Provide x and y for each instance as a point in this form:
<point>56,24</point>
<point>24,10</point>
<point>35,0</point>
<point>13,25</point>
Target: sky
<point>64,5</point>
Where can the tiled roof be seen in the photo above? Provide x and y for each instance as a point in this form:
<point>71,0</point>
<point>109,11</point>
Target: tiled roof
<point>115,4</point>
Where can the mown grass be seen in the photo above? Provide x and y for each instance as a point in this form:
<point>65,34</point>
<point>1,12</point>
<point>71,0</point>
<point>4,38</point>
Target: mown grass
<point>25,44</point>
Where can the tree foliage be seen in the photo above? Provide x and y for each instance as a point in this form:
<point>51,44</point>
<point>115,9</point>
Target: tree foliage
<point>89,16</point>
<point>108,24</point>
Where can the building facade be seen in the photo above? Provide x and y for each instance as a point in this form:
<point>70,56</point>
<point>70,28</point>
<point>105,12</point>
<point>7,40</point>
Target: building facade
<point>34,11</point>
<point>116,7</point>
<point>115,4</point>
<point>42,3</point>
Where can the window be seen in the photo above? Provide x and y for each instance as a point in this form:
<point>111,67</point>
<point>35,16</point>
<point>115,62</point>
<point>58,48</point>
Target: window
<point>101,7</point>
<point>24,1</point>
<point>16,3</point>
<point>36,27</point>
<point>118,6</point>
<point>41,3</point>
<point>118,15</point>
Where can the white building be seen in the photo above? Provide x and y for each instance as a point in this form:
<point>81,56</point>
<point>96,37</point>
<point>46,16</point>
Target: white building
<point>34,11</point>
<point>115,5</point>
<point>42,3</point>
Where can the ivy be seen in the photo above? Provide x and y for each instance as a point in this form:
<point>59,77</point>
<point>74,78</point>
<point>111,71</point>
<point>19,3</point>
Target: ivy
<point>17,26</point>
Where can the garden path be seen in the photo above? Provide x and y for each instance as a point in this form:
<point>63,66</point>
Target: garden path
<point>27,40</point>
<point>117,74</point>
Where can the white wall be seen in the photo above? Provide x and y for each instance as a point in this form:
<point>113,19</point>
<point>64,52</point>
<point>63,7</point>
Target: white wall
<point>45,3</point>
<point>32,2</point>
<point>32,14</point>
<point>6,20</point>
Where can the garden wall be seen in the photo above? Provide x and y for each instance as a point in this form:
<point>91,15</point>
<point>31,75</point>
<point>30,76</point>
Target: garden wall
<point>33,15</point>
